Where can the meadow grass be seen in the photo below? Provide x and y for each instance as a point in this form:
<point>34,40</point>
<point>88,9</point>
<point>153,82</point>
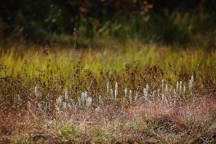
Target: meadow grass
<point>110,93</point>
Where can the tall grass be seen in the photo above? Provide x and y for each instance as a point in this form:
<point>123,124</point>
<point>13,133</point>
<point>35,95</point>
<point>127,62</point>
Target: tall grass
<point>116,93</point>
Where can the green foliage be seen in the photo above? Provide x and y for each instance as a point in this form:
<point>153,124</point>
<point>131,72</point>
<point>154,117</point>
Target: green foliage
<point>165,21</point>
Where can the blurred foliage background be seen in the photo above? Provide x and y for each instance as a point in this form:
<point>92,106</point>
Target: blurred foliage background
<point>85,21</point>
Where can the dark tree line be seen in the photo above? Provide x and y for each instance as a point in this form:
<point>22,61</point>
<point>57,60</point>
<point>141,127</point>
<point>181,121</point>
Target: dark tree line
<point>38,17</point>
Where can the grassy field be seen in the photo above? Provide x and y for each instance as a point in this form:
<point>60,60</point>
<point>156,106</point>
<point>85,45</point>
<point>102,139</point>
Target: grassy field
<point>108,93</point>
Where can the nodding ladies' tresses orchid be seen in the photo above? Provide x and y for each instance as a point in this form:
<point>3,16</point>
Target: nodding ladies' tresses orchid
<point>167,92</point>
<point>190,83</point>
<point>166,89</point>
<point>64,105</point>
<point>19,98</point>
<point>79,101</point>
<point>88,101</point>
<point>59,101</point>
<point>83,98</point>
<point>66,95</point>
<point>153,94</point>
<point>111,92</point>
<point>126,92</point>
<point>108,89</point>
<point>116,90</point>
<point>69,106</point>
<point>145,93</point>
<point>177,86</point>
<point>180,87</point>
<point>184,90</point>
<point>147,87</point>
<point>162,85</point>
<point>36,91</point>
<point>29,104</point>
<point>130,96</point>
<point>136,95</point>
<point>100,100</point>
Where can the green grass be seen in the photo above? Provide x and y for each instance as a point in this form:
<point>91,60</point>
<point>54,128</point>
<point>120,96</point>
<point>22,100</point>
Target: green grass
<point>44,91</point>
